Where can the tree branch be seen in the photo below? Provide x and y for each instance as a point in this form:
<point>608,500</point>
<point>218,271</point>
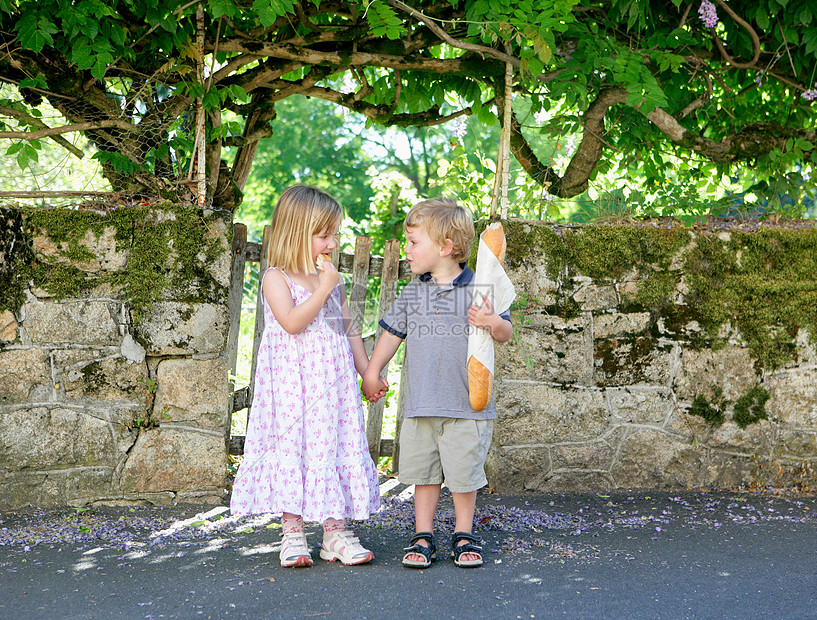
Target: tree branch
<point>699,102</point>
<point>541,173</point>
<point>304,19</point>
<point>54,131</point>
<point>746,26</point>
<point>383,114</point>
<point>750,142</point>
<point>445,66</point>
<point>36,122</point>
<point>444,36</point>
<point>577,174</point>
<point>256,127</point>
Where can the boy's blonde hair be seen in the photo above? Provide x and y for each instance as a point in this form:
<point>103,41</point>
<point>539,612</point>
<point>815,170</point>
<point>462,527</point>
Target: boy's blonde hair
<point>443,218</point>
<point>301,211</point>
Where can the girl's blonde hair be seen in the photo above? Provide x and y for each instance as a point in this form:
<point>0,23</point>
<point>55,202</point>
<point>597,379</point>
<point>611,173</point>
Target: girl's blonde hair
<point>301,211</point>
<point>443,218</point>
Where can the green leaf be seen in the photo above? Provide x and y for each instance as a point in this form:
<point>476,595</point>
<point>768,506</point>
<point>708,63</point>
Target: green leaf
<point>117,161</point>
<point>810,41</point>
<point>36,82</point>
<point>486,116</point>
<point>270,10</point>
<point>26,154</point>
<point>542,50</point>
<point>35,31</point>
<point>384,21</point>
<point>212,100</point>
<point>101,63</point>
<point>82,55</point>
<point>221,8</point>
<point>762,18</point>
<point>238,93</point>
<point>534,66</point>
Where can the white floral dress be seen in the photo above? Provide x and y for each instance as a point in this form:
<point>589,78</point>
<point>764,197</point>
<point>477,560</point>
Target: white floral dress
<point>306,451</point>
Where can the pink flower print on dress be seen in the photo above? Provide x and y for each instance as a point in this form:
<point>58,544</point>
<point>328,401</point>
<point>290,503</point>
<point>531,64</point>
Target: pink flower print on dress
<point>312,404</point>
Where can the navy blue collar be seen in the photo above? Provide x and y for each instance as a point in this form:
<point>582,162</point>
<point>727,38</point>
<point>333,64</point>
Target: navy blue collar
<point>461,280</point>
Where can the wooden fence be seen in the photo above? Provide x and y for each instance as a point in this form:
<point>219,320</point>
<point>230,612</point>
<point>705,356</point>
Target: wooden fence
<point>363,266</point>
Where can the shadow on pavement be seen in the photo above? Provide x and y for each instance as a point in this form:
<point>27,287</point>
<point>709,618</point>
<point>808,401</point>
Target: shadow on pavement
<point>612,555</point>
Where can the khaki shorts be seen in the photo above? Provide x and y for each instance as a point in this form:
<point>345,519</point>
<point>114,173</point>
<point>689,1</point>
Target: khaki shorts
<point>434,450</point>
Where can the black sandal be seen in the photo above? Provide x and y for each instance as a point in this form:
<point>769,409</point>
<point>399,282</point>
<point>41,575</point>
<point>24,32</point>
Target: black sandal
<point>429,553</point>
<point>473,546</point>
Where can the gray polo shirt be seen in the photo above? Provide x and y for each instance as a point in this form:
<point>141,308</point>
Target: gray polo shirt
<point>433,320</point>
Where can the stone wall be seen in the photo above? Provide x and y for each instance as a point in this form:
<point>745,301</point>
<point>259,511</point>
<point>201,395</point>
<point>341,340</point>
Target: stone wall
<point>643,356</point>
<point>113,375</point>
<point>648,357</point>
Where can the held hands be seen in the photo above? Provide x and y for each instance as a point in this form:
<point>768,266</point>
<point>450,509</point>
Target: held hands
<point>374,387</point>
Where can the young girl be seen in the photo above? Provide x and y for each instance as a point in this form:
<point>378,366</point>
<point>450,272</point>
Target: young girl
<point>306,454</point>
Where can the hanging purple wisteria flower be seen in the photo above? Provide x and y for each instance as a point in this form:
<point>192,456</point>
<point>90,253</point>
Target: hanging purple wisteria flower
<point>708,14</point>
<point>811,93</point>
<point>459,128</point>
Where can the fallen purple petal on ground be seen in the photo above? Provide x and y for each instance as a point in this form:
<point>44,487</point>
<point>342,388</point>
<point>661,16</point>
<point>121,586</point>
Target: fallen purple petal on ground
<point>138,531</point>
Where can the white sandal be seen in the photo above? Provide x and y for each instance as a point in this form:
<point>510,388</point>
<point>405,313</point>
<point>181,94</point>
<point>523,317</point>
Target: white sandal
<point>294,550</point>
<point>344,546</point>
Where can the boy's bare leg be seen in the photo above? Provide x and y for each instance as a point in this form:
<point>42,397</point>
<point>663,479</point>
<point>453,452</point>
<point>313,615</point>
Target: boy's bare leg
<point>464,507</point>
<point>426,498</point>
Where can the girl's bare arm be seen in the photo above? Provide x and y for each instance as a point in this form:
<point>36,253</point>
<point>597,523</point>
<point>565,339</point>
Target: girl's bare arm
<point>294,318</point>
<point>355,339</point>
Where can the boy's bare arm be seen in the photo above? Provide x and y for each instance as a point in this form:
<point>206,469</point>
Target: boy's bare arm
<point>384,350</point>
<point>502,330</point>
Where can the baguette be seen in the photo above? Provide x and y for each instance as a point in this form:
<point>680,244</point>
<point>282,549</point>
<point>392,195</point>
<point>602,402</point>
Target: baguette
<point>494,238</point>
<point>480,379</point>
<point>480,384</point>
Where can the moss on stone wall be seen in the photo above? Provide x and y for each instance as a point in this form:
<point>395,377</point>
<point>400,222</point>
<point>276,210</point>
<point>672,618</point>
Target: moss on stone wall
<point>601,252</point>
<point>751,407</point>
<point>762,282</point>
<point>167,246</point>
<point>748,409</point>
<point>608,252</point>
<point>711,412</point>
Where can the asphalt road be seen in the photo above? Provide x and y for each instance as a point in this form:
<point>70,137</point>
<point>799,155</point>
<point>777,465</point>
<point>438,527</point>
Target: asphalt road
<point>621,555</point>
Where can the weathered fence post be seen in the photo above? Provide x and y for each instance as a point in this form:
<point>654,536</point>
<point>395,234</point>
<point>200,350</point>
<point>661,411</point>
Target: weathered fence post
<point>234,297</point>
<point>259,312</point>
<point>388,291</point>
<point>236,293</point>
<point>401,408</point>
<point>360,282</point>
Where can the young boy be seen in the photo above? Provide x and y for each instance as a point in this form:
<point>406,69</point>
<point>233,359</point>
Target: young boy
<point>442,437</point>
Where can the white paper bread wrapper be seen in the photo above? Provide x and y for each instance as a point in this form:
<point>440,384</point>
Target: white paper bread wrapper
<point>490,280</point>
